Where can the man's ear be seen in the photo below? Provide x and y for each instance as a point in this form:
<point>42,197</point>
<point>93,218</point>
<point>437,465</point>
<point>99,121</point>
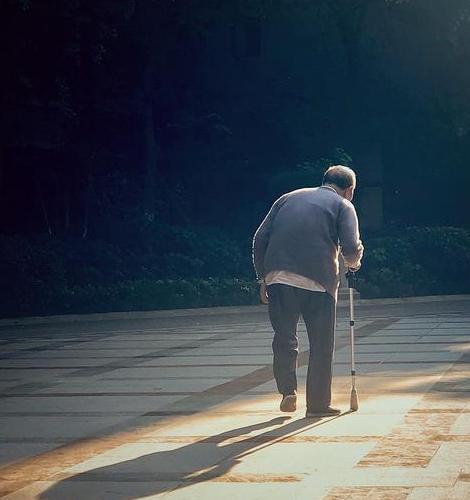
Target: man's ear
<point>349,192</point>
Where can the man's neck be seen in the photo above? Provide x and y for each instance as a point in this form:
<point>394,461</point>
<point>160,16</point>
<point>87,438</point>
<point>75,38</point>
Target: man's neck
<point>332,187</point>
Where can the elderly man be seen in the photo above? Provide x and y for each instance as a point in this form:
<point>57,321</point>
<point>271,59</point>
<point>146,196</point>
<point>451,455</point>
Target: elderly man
<point>295,254</point>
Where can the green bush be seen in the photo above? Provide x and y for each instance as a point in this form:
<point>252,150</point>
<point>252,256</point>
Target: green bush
<point>133,295</point>
<point>173,267</point>
<point>181,252</point>
<point>416,261</point>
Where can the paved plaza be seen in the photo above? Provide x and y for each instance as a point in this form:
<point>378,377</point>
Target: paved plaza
<point>183,406</point>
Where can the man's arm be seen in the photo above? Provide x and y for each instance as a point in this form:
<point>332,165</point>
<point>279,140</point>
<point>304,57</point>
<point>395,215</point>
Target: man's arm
<point>349,238</point>
<point>261,238</point>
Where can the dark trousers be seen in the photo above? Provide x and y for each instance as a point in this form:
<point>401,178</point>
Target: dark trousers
<point>318,309</point>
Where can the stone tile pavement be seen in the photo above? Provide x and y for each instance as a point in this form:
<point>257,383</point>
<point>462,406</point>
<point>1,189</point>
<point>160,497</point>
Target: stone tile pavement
<point>186,407</point>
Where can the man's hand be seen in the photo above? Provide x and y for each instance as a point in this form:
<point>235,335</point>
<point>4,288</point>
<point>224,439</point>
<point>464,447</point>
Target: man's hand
<point>263,294</point>
<point>351,277</point>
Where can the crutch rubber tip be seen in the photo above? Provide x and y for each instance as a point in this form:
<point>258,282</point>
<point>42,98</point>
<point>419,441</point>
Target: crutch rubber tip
<point>354,405</point>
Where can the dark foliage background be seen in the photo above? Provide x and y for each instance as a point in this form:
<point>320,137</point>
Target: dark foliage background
<point>142,141</point>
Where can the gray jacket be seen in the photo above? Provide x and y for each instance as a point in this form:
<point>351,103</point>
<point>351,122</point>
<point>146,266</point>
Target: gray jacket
<point>303,233</point>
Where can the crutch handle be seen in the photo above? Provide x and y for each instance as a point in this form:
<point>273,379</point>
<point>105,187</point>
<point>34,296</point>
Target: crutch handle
<point>351,277</point>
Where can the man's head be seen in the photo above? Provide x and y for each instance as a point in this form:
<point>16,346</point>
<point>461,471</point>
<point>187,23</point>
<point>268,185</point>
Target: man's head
<point>342,179</point>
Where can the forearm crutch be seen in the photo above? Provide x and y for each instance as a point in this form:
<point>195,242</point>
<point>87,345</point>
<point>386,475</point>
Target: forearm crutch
<point>354,401</point>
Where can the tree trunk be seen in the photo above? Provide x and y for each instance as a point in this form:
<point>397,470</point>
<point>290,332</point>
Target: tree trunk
<point>150,163</point>
<point>67,203</point>
<point>88,193</point>
<point>1,169</point>
<point>349,19</point>
<point>150,38</point>
<point>43,204</point>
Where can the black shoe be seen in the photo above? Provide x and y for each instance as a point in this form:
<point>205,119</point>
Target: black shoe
<point>325,412</point>
<point>289,403</point>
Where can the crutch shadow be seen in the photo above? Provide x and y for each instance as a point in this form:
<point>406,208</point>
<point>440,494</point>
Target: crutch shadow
<point>174,469</point>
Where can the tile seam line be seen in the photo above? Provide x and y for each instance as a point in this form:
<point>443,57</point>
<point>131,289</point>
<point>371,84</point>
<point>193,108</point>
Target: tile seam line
<point>163,352</point>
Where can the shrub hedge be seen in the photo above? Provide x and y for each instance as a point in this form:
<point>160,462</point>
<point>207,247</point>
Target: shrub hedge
<point>177,267</point>
<point>415,261</point>
<point>133,295</point>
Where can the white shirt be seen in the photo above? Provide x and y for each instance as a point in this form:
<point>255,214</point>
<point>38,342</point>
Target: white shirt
<point>293,279</point>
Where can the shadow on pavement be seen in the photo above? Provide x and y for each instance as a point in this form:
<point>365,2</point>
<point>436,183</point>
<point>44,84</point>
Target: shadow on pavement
<point>179,468</point>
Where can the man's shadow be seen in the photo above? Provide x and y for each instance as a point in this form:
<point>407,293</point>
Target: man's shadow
<point>170,470</point>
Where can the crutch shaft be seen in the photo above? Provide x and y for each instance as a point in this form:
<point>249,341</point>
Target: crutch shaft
<point>354,400</point>
<point>351,330</point>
